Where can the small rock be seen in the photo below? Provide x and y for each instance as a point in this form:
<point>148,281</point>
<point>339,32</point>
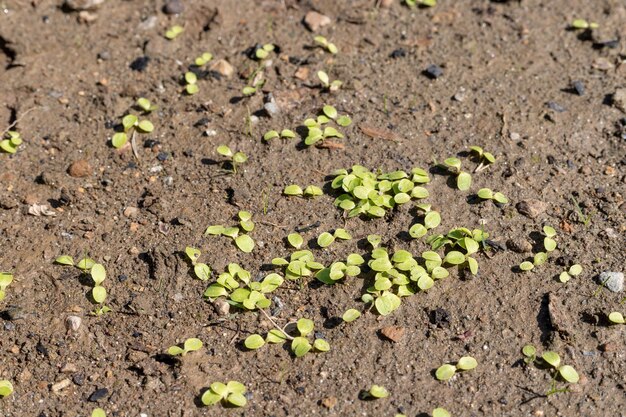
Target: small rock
<point>131,212</point>
<point>613,281</point>
<point>460,95</point>
<point>223,67</point>
<point>398,53</point>
<point>579,87</point>
<point>72,323</point>
<point>314,21</point>
<point>531,208</point>
<point>79,5</point>
<point>60,385</point>
<point>140,64</point>
<point>385,4</point>
<point>79,169</point>
<point>433,71</point>
<point>302,73</point>
<point>619,99</point>
<point>221,307</point>
<point>608,347</point>
<point>270,105</point>
<point>602,64</point>
<point>98,394</point>
<point>514,136</point>
<point>329,402</point>
<point>173,7</point>
<point>104,55</point>
<point>553,105</point>
<point>519,245</point>
<point>148,23</point>
<point>69,368</point>
<point>559,319</point>
<point>393,333</point>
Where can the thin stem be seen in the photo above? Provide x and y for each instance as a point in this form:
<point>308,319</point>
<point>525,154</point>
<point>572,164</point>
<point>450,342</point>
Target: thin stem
<point>281,329</point>
<point>17,120</point>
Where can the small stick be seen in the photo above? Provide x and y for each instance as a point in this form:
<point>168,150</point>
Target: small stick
<point>17,120</point>
<point>133,144</point>
<point>281,329</point>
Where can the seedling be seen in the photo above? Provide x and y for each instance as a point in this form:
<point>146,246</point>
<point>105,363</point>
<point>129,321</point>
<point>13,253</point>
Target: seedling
<point>573,271</point>
<point>173,32</point>
<point>11,142</point>
<point>484,158</point>
<point>327,84</point>
<point>530,352</point>
<point>98,275</point>
<point>309,191</point>
<point>301,264</point>
<point>447,371</point>
<point>421,3</point>
<point>203,59</point>
<point>264,51</point>
<point>145,105</point>
<point>616,318</point>
<point>190,345</point>
<point>583,24</point>
<point>201,270</point>
<point>351,315</point>
<point>191,83</point>
<point>323,43</point>
<point>98,412</point>
<point>376,392</point>
<point>582,218</point>
<point>295,240</point>
<point>6,278</point>
<point>340,270</point>
<point>552,361</point>
<point>244,242</point>
<point>235,159</point>
<point>300,345</point>
<point>497,197</point>
<point>231,393</point>
<point>432,219</point>
<point>273,134</point>
<point>440,412</point>
<point>540,258</point>
<point>130,123</point>
<point>318,133</point>
<point>242,292</point>
<point>6,388</point>
<point>366,193</point>
<point>463,179</point>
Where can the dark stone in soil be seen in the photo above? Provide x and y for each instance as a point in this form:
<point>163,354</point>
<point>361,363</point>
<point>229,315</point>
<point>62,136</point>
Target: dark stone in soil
<point>398,53</point>
<point>140,64</point>
<point>553,105</point>
<point>78,379</point>
<point>98,394</point>
<point>433,72</point>
<point>579,87</point>
<point>440,317</point>
<point>173,7</point>
<point>41,349</point>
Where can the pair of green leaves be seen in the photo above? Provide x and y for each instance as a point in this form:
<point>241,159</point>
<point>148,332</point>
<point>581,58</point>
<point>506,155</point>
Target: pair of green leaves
<point>191,83</point>
<point>326,83</point>
<point>309,191</point>
<point>552,359</point>
<point>6,278</point>
<point>488,194</point>
<point>273,134</point>
<point>300,345</point>
<point>300,264</point>
<point>316,134</point>
<point>201,270</point>
<point>463,179</point>
<point>130,122</point>
<point>323,42</point>
<point>447,371</point>
<point>243,241</point>
<point>573,271</point>
<point>432,219</point>
<point>326,239</point>
<point>340,270</point>
<point>190,345</point>
<point>173,32</point>
<point>231,393</point>
<point>203,59</point>
<point>11,142</point>
<point>264,51</point>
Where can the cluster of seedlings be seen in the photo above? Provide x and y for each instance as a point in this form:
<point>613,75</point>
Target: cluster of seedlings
<point>131,124</point>
<point>238,233</point>
<point>97,273</point>
<point>299,344</point>
<point>318,132</point>
<point>552,362</point>
<point>549,245</point>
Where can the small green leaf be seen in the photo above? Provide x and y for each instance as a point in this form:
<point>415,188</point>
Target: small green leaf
<point>564,277</point>
<point>245,243</point>
<point>374,240</point>
<point>192,253</point>
<point>6,388</point>
<point>293,189</point>
<point>191,78</point>
<point>417,230</point>
<point>575,270</point>
<point>248,91</point>
<point>254,341</point>
<point>313,191</point>
<point>378,391</point>
<point>325,239</point>
<point>144,103</point>
<point>526,266</point>
<point>99,294</point>
<point>272,134</point>
<point>209,397</point>
<point>305,326</point>
<point>351,315</point>
<point>129,121</point>
<point>65,260</point>
<point>529,351</point>
<point>432,220</point>
<point>295,240</point>
<point>466,363</point>
<point>549,244</point>
<point>275,336</point>
<point>454,258</point>
<point>321,345</point>
<point>192,344</point>
<point>236,399</point>
<point>119,139</point>
<point>98,273</point>
<point>616,317</point>
<point>569,374</point>
<point>323,77</point>
<point>445,372</point>
<point>286,133</point>
<point>192,89</point>
<point>552,358</point>
<point>485,193</point>
<point>580,24</point>
<point>463,181</point>
<point>300,346</point>
<point>500,198</point>
<point>344,121</point>
<point>540,258</point>
<point>85,264</point>
<point>330,111</point>
<point>224,150</point>
<point>98,412</point>
<point>440,412</point>
<point>342,234</point>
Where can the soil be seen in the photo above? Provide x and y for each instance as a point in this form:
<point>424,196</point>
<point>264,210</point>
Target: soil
<point>506,85</point>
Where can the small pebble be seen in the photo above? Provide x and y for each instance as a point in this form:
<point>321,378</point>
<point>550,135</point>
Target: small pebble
<point>514,136</point>
<point>579,87</point>
<point>553,105</point>
<point>73,323</point>
<point>122,277</point>
<point>398,53</point>
<point>140,64</point>
<point>433,71</point>
<point>223,67</point>
<point>314,21</point>
<point>613,281</point>
<point>173,7</point>
<point>79,169</point>
<point>98,394</point>
<point>60,385</point>
<point>531,208</point>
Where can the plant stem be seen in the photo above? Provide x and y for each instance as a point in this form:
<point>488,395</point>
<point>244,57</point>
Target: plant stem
<point>282,330</point>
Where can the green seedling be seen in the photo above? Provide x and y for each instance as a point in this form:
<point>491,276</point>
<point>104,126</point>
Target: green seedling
<point>573,271</point>
<point>145,105</point>
<point>173,32</point>
<point>309,191</point>
<point>325,239</point>
<point>487,194</point>
<point>421,3</point>
<point>530,352</point>
<point>463,179</point>
<point>242,292</point>
<point>318,133</point>
<point>616,318</point>
<point>301,264</point>
<point>582,218</point>
<point>6,388</point>
<point>264,51</point>
<point>6,278</point>
<point>540,258</point>
<point>549,243</point>
<point>323,43</point>
<point>235,159</point>
<point>191,83</point>
<point>440,412</point>
<point>447,371</point>
<point>99,293</point>
<point>295,240</point>
<point>377,392</point>
<point>432,219</point>
<point>583,24</point>
<point>203,59</point>
<point>11,141</point>
<point>351,315</point>
<point>130,123</point>
<point>238,233</point>
<point>201,270</point>
<point>230,394</point>
<point>190,345</point>
<point>98,412</point>
<point>299,345</point>
<point>327,84</point>
<point>366,193</point>
<point>340,270</point>
<point>273,134</point>
<point>484,158</point>
<point>552,361</point>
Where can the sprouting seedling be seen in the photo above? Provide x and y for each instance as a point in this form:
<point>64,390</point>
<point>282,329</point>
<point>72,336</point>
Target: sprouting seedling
<point>447,371</point>
<point>237,285</point>
<point>299,345</point>
<point>203,59</point>
<point>432,219</point>
<point>583,24</point>
<point>273,134</point>
<point>231,393</point>
<point>327,84</point>
<point>235,159</point>
<point>616,318</point>
<point>263,52</point>
<point>552,360</point>
<point>201,270</point>
<point>340,270</point>
<point>375,392</point>
<point>530,352</point>
<point>6,278</point>
<point>191,83</point>
<point>323,42</point>
<point>238,233</point>
<point>582,218</point>
<point>549,243</point>
<point>98,412</point>
<point>309,191</point>
<point>488,194</point>
<point>301,263</point>
<point>173,32</point>
<point>484,158</point>
<point>12,140</point>
<point>540,258</point>
<point>190,345</point>
<point>573,271</point>
<point>145,105</point>
<point>295,240</point>
<point>6,388</point>
<point>98,292</point>
<point>130,123</point>
<point>350,315</point>
<point>318,133</point>
<point>463,179</point>
<point>440,412</point>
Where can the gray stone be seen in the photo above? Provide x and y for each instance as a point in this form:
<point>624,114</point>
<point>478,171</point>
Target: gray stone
<point>613,281</point>
<point>174,7</point>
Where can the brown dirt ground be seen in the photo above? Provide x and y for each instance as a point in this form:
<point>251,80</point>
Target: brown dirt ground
<point>512,58</point>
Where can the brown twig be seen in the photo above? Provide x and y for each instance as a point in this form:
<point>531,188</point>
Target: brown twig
<point>281,329</point>
<point>17,120</point>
